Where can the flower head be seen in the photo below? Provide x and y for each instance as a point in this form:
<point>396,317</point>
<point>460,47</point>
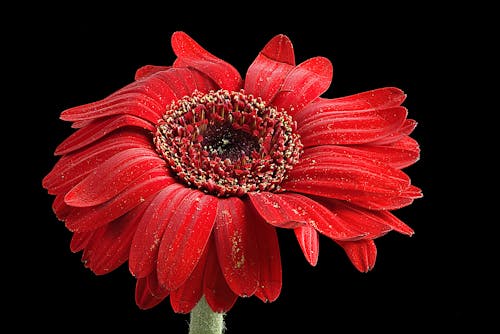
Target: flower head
<point>186,173</point>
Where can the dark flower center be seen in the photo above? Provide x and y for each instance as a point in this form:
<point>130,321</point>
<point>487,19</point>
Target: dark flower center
<point>228,143</point>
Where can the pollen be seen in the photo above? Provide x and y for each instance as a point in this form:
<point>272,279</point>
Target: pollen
<point>228,143</point>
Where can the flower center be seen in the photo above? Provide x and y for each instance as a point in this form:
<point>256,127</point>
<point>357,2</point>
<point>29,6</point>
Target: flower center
<point>228,143</point>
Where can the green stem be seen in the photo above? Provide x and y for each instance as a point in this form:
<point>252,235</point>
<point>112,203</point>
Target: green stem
<point>205,321</point>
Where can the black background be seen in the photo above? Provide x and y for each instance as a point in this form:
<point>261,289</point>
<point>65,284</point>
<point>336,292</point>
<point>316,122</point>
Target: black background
<point>66,56</point>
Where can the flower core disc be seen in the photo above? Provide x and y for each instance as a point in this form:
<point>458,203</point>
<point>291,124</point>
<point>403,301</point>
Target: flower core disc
<point>228,143</point>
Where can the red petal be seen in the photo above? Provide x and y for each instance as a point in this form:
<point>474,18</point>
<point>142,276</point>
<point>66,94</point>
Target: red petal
<point>323,220</point>
<point>147,70</point>
<point>61,209</point>
<point>184,299</point>
<point>97,130</point>
<point>362,253</point>
<point>405,130</point>
<point>163,87</point>
<point>236,242</point>
<point>392,221</point>
<point>218,294</point>
<point>280,49</point>
<point>88,253</point>
<point>387,202</point>
<point>381,98</point>
<point>135,104</point>
<point>146,98</point>
<point>74,167</point>
<point>91,218</point>
<point>185,238</point>
<point>269,287</point>
<point>309,242</point>
<point>182,82</point>
<point>303,84</point>
<point>80,240</point>
<point>144,297</point>
<point>276,210</point>
<point>333,172</point>
<point>154,285</point>
<point>112,248</point>
<point>350,127</point>
<point>400,154</point>
<point>146,241</point>
<point>361,219</point>
<point>81,124</point>
<point>192,54</point>
<point>269,70</point>
<point>203,83</point>
<point>112,177</point>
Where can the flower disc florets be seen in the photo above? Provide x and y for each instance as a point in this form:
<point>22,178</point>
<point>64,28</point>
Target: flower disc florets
<point>228,143</point>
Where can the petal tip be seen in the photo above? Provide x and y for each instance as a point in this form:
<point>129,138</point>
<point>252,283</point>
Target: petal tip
<point>280,48</point>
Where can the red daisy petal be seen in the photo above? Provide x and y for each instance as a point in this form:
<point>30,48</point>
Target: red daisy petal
<point>154,285</point>
<point>88,253</point>
<point>276,210</point>
<point>146,241</point>
<point>376,99</point>
<point>303,84</point>
<point>269,70</point>
<point>145,298</point>
<point>405,130</point>
<point>270,279</point>
<point>111,248</point>
<point>80,240</point>
<point>185,298</point>
<point>400,154</point>
<point>321,218</point>
<point>146,98</point>
<point>183,82</point>
<point>185,238</point>
<point>112,177</point>
<point>60,208</point>
<point>280,49</point>
<point>147,70</point>
<point>141,98</point>
<point>386,202</point>
<point>81,124</point>
<point>135,104</point>
<point>236,242</point>
<point>350,127</point>
<point>330,171</point>
<point>97,130</point>
<point>218,294</point>
<point>382,216</point>
<point>74,167</point>
<point>91,218</point>
<point>362,253</point>
<point>359,218</point>
<point>395,223</point>
<point>193,55</point>
<point>309,243</point>
<point>163,87</point>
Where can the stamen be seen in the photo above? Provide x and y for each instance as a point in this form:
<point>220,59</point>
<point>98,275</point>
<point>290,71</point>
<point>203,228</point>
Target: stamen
<point>228,143</point>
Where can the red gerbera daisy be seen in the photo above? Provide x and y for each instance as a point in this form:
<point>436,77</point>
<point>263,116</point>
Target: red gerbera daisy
<point>187,172</point>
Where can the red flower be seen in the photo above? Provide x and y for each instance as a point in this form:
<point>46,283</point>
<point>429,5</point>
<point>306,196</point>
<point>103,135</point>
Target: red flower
<point>186,172</point>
